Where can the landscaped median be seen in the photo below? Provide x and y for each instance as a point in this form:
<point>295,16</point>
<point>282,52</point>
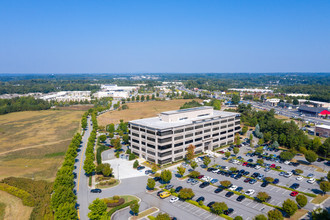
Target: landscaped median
<point>128,201</point>
<point>145,213</point>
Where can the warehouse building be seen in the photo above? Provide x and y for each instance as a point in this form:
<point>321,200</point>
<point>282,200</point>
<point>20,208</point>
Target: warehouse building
<point>322,130</point>
<point>164,139</point>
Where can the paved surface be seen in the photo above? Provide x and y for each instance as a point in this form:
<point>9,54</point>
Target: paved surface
<point>123,169</point>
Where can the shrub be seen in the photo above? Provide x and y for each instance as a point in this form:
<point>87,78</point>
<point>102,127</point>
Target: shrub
<point>27,199</point>
<point>131,157</point>
<point>116,197</point>
<point>113,202</point>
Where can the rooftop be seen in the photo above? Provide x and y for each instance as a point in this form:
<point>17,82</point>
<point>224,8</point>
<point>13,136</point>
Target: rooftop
<point>186,110</point>
<point>323,126</point>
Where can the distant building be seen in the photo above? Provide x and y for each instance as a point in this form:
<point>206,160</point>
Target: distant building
<point>253,90</point>
<point>297,95</point>
<point>67,96</point>
<point>314,111</point>
<point>272,102</point>
<point>164,139</point>
<point>322,130</point>
<point>315,103</point>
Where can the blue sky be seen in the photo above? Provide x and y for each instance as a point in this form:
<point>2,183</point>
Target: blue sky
<point>68,36</point>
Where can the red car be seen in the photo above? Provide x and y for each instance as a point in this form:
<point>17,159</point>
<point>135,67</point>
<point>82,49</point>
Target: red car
<point>221,152</point>
<point>244,164</point>
<point>272,166</point>
<point>200,176</point>
<point>294,193</point>
<point>247,180</point>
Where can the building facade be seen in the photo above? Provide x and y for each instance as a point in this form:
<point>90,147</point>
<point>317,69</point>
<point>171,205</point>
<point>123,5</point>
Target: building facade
<point>322,131</point>
<point>164,139</point>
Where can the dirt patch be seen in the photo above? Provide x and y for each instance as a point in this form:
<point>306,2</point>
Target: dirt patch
<point>319,199</point>
<point>14,208</point>
<point>140,110</point>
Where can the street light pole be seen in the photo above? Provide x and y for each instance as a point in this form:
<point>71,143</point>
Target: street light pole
<point>118,170</point>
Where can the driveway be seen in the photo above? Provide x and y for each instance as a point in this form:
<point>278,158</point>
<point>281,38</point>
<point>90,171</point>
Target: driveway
<point>123,168</point>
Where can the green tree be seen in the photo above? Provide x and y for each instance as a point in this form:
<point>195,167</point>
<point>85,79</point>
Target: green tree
<point>135,164</point>
<point>103,138</point>
<point>162,216</point>
<point>237,139</point>
<point>206,161</point>
<point>251,138</point>
<point>316,144</point>
<point>194,174</point>
<point>154,168</point>
<point>286,155</point>
<point>259,150</point>
<point>66,211</point>
<point>137,98</point>
<point>107,170</point>
<point>219,207</point>
<point>193,164</point>
<point>153,97</point>
<point>225,183</point>
<point>111,128</point>
<point>166,176</point>
<point>261,141</point>
<point>310,156</point>
<point>181,170</point>
<point>151,183</point>
<point>236,150</point>
<point>233,169</point>
<point>260,161</point>
<point>190,152</point>
<point>111,135</point>
<point>290,207</point>
<point>135,207</point>
<point>142,98</point>
<point>245,129</point>
<point>269,179</point>
<point>186,193</point>
<point>227,154</point>
<point>267,136</point>
<point>262,196</point>
<point>298,171</point>
<point>238,218</point>
<point>97,209</point>
<point>328,176</point>
<point>260,217</point>
<point>275,214</point>
<point>217,104</point>
<point>301,200</point>
<point>235,99</point>
<point>325,186</point>
<point>126,138</point>
<point>89,166</point>
<point>295,101</point>
<point>148,98</point>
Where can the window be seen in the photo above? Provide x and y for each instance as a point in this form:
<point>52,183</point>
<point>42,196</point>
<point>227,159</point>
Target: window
<point>215,140</point>
<point>237,123</point>
<point>231,130</point>
<point>178,144</point>
<point>237,128</point>
<point>198,139</point>
<point>136,141</point>
<point>198,126</point>
<point>143,143</point>
<point>142,129</point>
<point>184,118</point>
<point>207,136</point>
<point>230,125</point>
<point>178,151</point>
<point>206,125</point>
<point>216,128</point>
<point>189,135</point>
<point>198,133</point>
<point>188,142</point>
<point>229,136</point>
<point>151,146</point>
<point>189,129</point>
<point>178,138</point>
<point>178,131</point>
<point>165,154</point>
<point>164,140</point>
<point>151,159</point>
<point>223,127</point>
<point>151,139</point>
<point>143,136</point>
<point>198,152</point>
<point>231,119</point>
<point>216,122</point>
<point>198,145</point>
<point>178,158</point>
<point>135,147</point>
<point>135,128</point>
<point>207,130</point>
<point>169,160</point>
<point>150,132</point>
<point>151,152</point>
<point>164,133</point>
<point>223,132</point>
<point>167,146</point>
<point>222,138</point>
<point>136,135</point>
<point>215,134</point>
<point>223,121</point>
<point>202,115</point>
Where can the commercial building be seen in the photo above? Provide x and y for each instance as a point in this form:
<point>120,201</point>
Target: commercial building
<point>322,130</point>
<point>314,111</point>
<point>67,96</point>
<point>164,139</point>
<point>272,102</point>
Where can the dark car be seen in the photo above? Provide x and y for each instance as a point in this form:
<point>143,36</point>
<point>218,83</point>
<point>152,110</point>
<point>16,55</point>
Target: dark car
<point>169,186</point>
<point>254,175</point>
<point>229,194</point>
<point>229,211</point>
<point>96,190</point>
<point>246,173</point>
<point>276,181</point>
<point>204,184</point>
<point>159,192</point>
<point>250,160</point>
<point>247,180</point>
<point>218,190</point>
<point>264,184</point>
<point>200,199</point>
<point>240,198</point>
<point>210,204</point>
<point>178,189</point>
<point>157,178</point>
<point>140,167</point>
<point>294,186</point>
<point>200,176</point>
<point>210,169</point>
<point>238,189</point>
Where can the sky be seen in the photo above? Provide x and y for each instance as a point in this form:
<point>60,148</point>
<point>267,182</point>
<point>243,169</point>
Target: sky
<point>164,36</point>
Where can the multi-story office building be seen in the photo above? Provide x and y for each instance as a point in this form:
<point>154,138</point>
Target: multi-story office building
<point>164,139</point>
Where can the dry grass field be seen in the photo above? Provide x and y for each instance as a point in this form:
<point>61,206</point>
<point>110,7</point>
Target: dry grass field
<point>140,110</point>
<point>33,142</point>
<point>14,208</point>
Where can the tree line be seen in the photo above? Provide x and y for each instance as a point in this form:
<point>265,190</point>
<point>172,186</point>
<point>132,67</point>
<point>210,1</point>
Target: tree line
<point>27,103</point>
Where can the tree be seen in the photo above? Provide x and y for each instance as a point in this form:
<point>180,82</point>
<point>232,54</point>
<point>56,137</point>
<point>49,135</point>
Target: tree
<point>225,183</point>
<point>166,176</point>
<point>142,98</point>
<point>111,128</point>
<point>257,132</point>
<point>97,209</point>
<point>194,174</point>
<point>111,135</point>
<point>133,98</point>
<point>262,196</point>
<point>316,144</point>
<point>286,155</point>
<point>154,168</point>
<point>236,150</point>
<point>137,98</point>
<point>290,207</point>
<point>275,214</point>
<point>310,156</point>
<point>261,141</point>
<point>66,211</point>
<point>190,152</point>
<point>295,101</point>
<point>153,97</point>
<point>301,200</point>
<point>269,179</point>
<point>151,183</point>
<point>162,216</point>
<point>235,99</point>
<point>260,161</point>
<point>267,136</point>
<point>328,176</point>
<point>181,170</point>
<point>251,138</point>
<point>233,169</point>
<point>245,129</point>
<point>259,150</point>
<point>260,217</point>
<point>135,164</point>
<point>238,218</point>
<point>126,138</point>
<point>99,168</point>
<point>193,164</point>
<point>148,98</point>
<point>89,166</point>
<point>135,207</point>
<point>237,139</point>
<point>275,144</point>
<point>298,171</point>
<point>227,154</point>
<point>103,138</point>
<point>107,170</point>
<point>186,193</point>
<point>206,161</point>
<point>325,186</point>
<point>219,207</point>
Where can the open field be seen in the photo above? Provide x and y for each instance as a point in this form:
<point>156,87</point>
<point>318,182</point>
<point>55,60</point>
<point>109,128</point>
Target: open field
<point>14,208</point>
<point>33,143</point>
<point>298,215</point>
<point>140,110</point>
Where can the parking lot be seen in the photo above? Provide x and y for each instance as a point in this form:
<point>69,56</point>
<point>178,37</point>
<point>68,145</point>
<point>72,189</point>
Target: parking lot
<point>123,168</point>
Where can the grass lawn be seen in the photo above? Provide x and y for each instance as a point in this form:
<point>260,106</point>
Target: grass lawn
<point>140,110</point>
<point>144,213</point>
<point>300,213</point>
<point>33,143</point>
<point>319,199</point>
<point>107,186</point>
<point>13,207</point>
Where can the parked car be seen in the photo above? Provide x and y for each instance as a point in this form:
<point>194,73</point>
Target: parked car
<point>96,190</point>
<point>239,189</point>
<point>159,192</point>
<point>194,182</point>
<point>218,190</point>
<point>229,194</point>
<point>250,192</point>
<point>189,180</point>
<point>240,198</point>
<point>157,178</point>
<point>294,186</point>
<point>253,181</point>
<point>247,180</point>
<point>229,211</point>
<point>299,178</point>
<point>200,176</point>
<point>294,193</point>
<point>164,195</point>
<point>233,187</point>
<point>140,167</point>
<point>311,180</point>
<point>214,181</point>
<point>276,181</point>
<point>200,199</point>
<point>174,199</point>
<point>168,187</point>
<point>264,184</point>
<point>178,189</point>
<point>204,184</point>
<point>310,175</point>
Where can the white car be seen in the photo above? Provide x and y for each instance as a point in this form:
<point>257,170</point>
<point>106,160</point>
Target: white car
<point>299,178</point>
<point>250,192</point>
<point>257,167</point>
<point>233,187</point>
<point>235,161</point>
<point>174,199</point>
<point>311,180</point>
<point>286,162</point>
<point>226,168</point>
<point>310,175</point>
<point>215,171</point>
<point>288,174</point>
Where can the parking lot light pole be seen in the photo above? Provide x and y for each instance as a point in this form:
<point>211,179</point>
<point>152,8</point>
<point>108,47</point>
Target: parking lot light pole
<point>118,170</point>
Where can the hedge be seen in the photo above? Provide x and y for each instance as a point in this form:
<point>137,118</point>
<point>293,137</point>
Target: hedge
<point>114,203</point>
<point>99,151</point>
<point>113,210</point>
<point>26,197</point>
